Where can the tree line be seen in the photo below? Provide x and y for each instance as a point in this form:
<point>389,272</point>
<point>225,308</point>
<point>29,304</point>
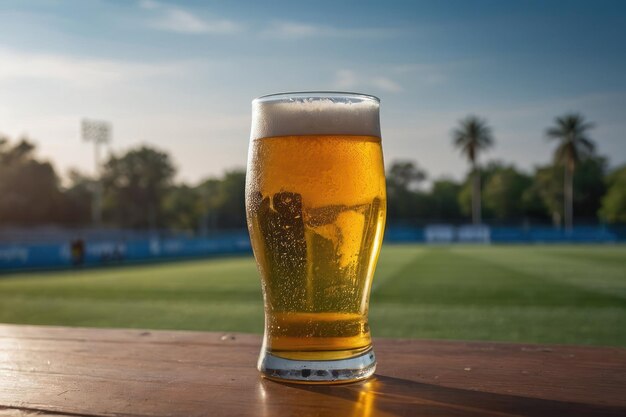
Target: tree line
<point>139,190</point>
<point>574,179</point>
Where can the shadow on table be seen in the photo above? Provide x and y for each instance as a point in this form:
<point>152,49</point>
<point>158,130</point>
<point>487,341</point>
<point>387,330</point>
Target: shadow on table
<point>388,396</point>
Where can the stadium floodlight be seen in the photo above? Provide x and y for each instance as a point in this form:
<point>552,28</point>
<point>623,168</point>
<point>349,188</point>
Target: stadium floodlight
<point>98,132</point>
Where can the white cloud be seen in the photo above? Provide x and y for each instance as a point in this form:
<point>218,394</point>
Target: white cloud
<point>299,30</point>
<point>75,70</point>
<point>148,4</point>
<point>294,30</point>
<point>176,19</point>
<point>348,79</point>
<point>426,73</point>
<point>386,84</point>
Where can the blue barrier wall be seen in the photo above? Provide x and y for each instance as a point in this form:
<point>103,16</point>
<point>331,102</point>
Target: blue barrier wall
<point>51,255</point>
<point>500,234</point>
<point>104,250</point>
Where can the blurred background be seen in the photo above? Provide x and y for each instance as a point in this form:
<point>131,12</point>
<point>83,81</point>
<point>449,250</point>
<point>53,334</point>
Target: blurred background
<point>124,131</point>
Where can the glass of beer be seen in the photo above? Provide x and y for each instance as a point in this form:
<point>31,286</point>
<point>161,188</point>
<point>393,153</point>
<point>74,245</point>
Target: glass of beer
<point>315,204</point>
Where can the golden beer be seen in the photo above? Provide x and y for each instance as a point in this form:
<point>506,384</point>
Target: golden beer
<point>316,212</point>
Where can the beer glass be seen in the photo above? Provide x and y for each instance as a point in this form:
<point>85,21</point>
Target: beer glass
<point>315,205</point>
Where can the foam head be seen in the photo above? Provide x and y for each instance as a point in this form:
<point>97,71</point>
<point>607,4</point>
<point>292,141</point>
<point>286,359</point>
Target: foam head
<point>294,114</point>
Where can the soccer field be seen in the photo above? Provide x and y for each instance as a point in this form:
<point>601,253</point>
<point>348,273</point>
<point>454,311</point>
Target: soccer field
<point>551,294</point>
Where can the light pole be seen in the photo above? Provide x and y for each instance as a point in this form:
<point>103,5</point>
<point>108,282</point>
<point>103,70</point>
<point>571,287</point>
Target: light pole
<point>98,132</point>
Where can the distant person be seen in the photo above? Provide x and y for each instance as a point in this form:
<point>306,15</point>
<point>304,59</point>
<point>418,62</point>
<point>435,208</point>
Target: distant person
<point>78,252</point>
<point>118,252</point>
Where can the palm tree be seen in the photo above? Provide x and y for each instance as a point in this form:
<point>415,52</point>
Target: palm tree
<point>574,145</point>
<point>472,137</point>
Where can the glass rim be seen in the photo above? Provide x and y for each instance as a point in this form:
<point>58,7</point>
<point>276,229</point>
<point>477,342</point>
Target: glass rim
<point>315,95</point>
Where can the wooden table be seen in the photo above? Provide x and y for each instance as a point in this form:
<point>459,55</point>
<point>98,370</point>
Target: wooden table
<point>75,371</point>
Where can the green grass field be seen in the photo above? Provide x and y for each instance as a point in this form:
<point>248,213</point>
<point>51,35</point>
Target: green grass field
<point>548,294</point>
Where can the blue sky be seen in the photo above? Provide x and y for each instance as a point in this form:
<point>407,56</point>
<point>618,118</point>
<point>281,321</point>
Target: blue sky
<point>180,75</point>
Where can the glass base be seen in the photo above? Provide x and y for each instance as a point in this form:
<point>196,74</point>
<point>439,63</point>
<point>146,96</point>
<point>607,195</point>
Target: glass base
<point>318,372</point>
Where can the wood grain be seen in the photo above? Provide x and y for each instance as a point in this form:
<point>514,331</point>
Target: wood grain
<point>103,372</point>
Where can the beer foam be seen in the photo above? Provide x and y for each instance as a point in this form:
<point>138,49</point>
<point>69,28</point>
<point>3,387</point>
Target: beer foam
<point>324,114</point>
